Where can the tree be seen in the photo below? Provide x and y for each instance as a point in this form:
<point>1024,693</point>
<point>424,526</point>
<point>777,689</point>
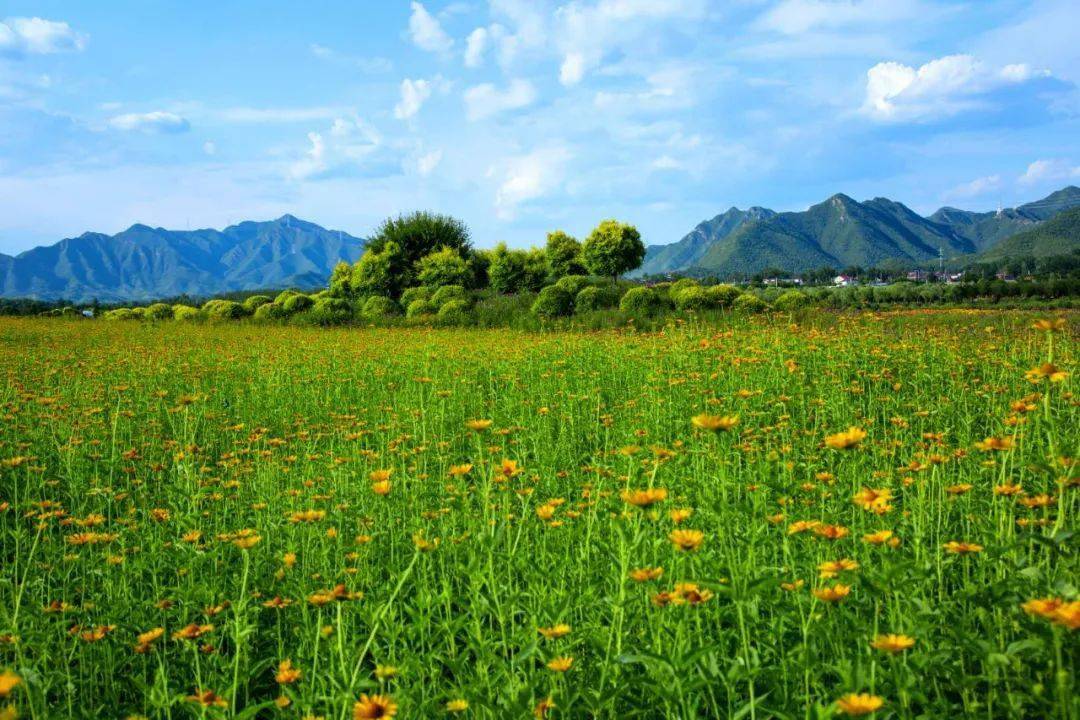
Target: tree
<point>341,280</point>
<point>420,233</point>
<point>380,272</point>
<point>506,272</point>
<point>442,267</point>
<point>612,249</point>
<point>563,255</point>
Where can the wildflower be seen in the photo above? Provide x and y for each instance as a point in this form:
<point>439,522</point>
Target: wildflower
<point>286,673</point>
<point>715,423</point>
<point>800,526</point>
<point>959,489</point>
<point>377,476</point>
<point>792,586</point>
<point>878,538</point>
<point>831,532</point>
<point>691,593</point>
<point>1038,501</point>
<point>876,501</point>
<point>545,511</point>
<point>207,698</point>
<point>1007,489</point>
<point>1068,615</point>
<point>846,440</point>
<point>832,568</point>
<point>543,708</point>
<point>457,705</point>
<point>962,548</point>
<point>892,643</point>
<point>1043,607</point>
<point>687,540</point>
<point>385,672</point>
<point>646,573</point>
<point>644,498</point>
<point>374,706</point>
<point>381,487</point>
<point>859,704</point>
<point>1046,371</point>
<point>677,515</point>
<point>1049,326</point>
<point>478,425</point>
<point>836,593</point>
<point>555,631</point>
<point>424,545</point>
<point>508,469</point>
<point>146,639</point>
<point>8,682</point>
<point>192,632</point>
<point>307,516</point>
<point>460,470</point>
<point>560,664</point>
<point>996,443</point>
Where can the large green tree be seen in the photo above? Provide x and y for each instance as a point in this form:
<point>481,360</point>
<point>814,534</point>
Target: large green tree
<point>563,255</point>
<point>613,248</point>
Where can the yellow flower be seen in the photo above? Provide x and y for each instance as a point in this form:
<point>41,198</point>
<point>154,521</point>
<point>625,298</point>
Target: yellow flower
<point>876,500</point>
<point>677,515</point>
<point>832,568</point>
<point>560,664</point>
<point>687,540</point>
<point>381,487</point>
<point>8,682</point>
<point>286,673</point>
<point>1049,325</point>
<point>478,425</point>
<point>646,573</point>
<point>384,672</point>
<point>836,593</point>
<point>459,470</point>
<point>892,643</point>
<point>878,538</point>
<point>207,698</point>
<point>555,631</point>
<point>1046,371</point>
<point>543,707</point>
<point>996,443</point>
<point>861,704</point>
<point>457,705</point>
<point>644,498</point>
<point>846,440</point>
<point>374,706</point>
<point>715,423</point>
<point>962,548</point>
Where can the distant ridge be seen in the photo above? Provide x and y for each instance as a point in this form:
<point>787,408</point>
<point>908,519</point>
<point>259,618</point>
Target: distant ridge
<point>144,263</point>
<point>841,232</point>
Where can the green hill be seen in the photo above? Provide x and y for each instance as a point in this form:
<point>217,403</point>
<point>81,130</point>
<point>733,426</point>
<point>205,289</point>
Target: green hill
<point>1060,235</point>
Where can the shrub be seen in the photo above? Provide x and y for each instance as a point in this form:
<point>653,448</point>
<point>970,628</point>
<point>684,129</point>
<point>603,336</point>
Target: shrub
<point>159,311</point>
<point>689,298</point>
<point>682,284</point>
<point>574,284</point>
<point>330,311</point>
<point>613,248</point>
<point>120,314</point>
<point>385,271</point>
<point>421,233</point>
<point>254,302</point>
<point>454,312</point>
<point>442,267</point>
<point>378,306</point>
<point>563,254</point>
<point>506,271</point>
<point>640,301</point>
<point>223,310</point>
<point>749,303</point>
<point>791,300</point>
<point>270,311</point>
<point>448,293</point>
<point>297,303</point>
<point>186,313</point>
<point>411,295</point>
<point>553,301</point>
<point>722,296</point>
<point>419,308</point>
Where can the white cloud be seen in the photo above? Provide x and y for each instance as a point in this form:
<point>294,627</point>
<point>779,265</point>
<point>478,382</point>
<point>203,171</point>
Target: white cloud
<point>975,188</point>
<point>314,161</point>
<point>209,148</point>
<point>157,121</point>
<point>349,142</point>
<point>484,100</point>
<point>426,32</point>
<point>941,87</point>
<point>426,164</point>
<point>414,93</point>
<point>36,36</point>
<point>475,46</point>
<point>527,177</point>
<point>794,17</point>
<point>572,69</point>
<point>1049,170</point>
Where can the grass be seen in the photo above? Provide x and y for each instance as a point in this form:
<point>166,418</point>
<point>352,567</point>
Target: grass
<point>227,484</point>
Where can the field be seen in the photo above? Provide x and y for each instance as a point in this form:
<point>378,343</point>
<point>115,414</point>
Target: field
<point>869,514</point>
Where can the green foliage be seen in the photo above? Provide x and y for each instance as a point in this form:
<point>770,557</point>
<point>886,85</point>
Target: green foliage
<point>159,311</point>
<point>613,248</point>
<point>453,312</point>
<point>296,302</point>
<point>722,296</point>
<point>120,314</point>
<point>553,301</point>
<point>594,298</point>
<point>251,304</point>
<point>378,306</point>
<point>506,271</point>
<point>419,308</point>
<point>383,271</point>
<point>448,293</point>
<point>641,301</point>
<point>443,267</point>
<point>186,313</point>
<point>223,310</point>
<point>341,280</point>
<point>330,311</point>
<point>270,311</point>
<point>682,284</point>
<point>420,292</point>
<point>791,300</point>
<point>563,256</point>
<point>421,233</point>
<point>690,298</point>
<point>574,284</point>
<point>749,303</point>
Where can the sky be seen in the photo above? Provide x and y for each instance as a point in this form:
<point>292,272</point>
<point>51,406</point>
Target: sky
<point>524,116</point>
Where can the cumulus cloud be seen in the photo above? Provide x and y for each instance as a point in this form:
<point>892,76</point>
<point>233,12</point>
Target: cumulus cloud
<point>527,177</point>
<point>414,93</point>
<point>475,46</point>
<point>426,31</point>
<point>348,142</point>
<point>157,121</point>
<point>975,188</point>
<point>426,163</point>
<point>484,100</point>
<point>35,36</point>
<point>941,87</point>
<point>1049,170</point>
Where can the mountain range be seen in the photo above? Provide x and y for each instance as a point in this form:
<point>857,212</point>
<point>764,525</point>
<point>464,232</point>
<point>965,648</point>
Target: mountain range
<point>145,263</point>
<point>841,232</point>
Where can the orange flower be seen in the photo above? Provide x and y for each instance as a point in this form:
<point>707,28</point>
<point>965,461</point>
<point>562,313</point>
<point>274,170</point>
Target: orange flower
<point>687,540</point>
<point>286,673</point>
<point>861,704</point>
<point>478,425</point>
<point>1046,371</point>
<point>646,573</point>
<point>892,643</point>
<point>876,501</point>
<point>8,682</point>
<point>996,443</point>
<point>846,440</point>
<point>192,632</point>
<point>832,568</point>
<point>644,498</point>
<point>381,487</point>
<point>207,698</point>
<point>836,593</point>
<point>715,423</point>
<point>369,707</point>
<point>878,538</point>
<point>962,548</point>
<point>560,664</point>
<point>555,631</point>
<point>543,708</point>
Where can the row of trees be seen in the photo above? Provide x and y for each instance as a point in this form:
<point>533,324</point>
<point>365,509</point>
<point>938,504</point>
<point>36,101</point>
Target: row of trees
<point>425,249</point>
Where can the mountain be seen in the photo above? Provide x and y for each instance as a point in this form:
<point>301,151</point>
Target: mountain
<point>1060,235</point>
<point>144,263</point>
<point>840,232</point>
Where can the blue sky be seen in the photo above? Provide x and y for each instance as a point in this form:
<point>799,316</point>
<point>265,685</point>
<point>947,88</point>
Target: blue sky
<point>522,116</point>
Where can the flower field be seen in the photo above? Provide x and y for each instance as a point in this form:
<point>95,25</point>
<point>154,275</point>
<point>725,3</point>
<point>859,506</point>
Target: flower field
<point>865,515</point>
